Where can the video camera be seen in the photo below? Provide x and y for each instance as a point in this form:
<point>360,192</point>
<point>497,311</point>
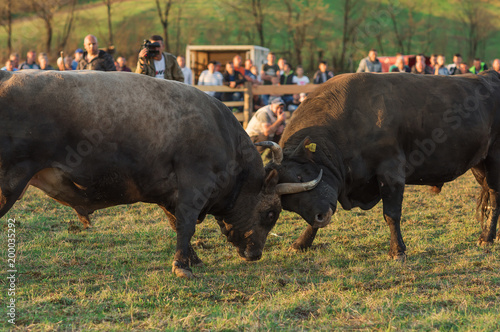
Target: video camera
<point>152,48</point>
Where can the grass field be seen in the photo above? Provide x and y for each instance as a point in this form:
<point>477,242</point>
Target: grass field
<point>117,276</point>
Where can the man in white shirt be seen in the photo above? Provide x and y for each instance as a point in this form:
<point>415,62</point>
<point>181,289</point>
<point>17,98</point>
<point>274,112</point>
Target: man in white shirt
<point>211,77</point>
<point>188,74</point>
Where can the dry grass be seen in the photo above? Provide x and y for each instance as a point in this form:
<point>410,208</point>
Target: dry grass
<point>117,276</point>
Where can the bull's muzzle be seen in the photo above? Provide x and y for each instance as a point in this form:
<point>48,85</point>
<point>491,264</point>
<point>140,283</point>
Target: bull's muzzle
<point>321,220</point>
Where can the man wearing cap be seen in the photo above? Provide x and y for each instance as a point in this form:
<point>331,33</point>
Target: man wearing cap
<point>268,123</point>
<point>78,57</point>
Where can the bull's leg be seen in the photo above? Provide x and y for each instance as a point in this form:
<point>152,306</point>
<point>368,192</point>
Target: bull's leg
<point>305,240</point>
<point>488,176</point>
<point>12,185</point>
<point>194,260</point>
<point>391,190</point>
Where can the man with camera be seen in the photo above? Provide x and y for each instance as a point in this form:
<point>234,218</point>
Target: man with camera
<point>93,58</point>
<point>268,123</point>
<point>156,63</point>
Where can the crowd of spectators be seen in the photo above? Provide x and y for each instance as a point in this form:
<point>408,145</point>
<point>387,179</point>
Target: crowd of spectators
<point>164,65</point>
<point>269,120</point>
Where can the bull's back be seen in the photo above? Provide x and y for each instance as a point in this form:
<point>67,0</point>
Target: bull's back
<point>442,124</point>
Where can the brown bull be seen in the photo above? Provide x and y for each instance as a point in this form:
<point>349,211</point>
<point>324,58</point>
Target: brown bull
<point>91,140</point>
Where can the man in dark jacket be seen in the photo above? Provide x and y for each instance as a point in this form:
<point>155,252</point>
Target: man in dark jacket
<point>232,79</point>
<point>287,78</point>
<point>322,75</point>
<point>93,58</point>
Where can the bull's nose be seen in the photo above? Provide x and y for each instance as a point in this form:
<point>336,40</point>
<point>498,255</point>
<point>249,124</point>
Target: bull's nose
<point>321,220</point>
<point>252,256</point>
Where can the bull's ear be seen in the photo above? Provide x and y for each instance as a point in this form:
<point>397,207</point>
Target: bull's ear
<point>271,181</point>
<point>305,149</point>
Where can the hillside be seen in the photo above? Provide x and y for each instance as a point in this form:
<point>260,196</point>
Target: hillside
<point>436,23</point>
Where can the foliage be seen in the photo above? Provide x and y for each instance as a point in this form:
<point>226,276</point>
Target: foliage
<point>304,31</point>
<point>116,277</point>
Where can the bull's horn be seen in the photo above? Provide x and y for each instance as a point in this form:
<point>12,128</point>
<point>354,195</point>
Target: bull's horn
<point>275,148</point>
<point>294,188</point>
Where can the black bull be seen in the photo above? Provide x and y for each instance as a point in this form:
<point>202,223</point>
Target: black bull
<point>92,140</point>
<point>373,133</point>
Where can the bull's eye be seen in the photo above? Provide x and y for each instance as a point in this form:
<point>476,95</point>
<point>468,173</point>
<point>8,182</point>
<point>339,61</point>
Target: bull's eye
<point>299,178</point>
<point>271,215</point>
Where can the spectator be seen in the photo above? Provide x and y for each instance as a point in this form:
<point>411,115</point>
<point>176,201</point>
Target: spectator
<point>9,66</point>
<point>297,99</point>
<point>237,61</point>
<point>255,71</point>
<point>30,61</point>
<point>281,65</point>
<point>267,123</point>
<point>43,60</point>
<point>496,65</point>
<point>121,64</point>
<point>163,65</point>
<point>478,66</point>
<point>323,74</point>
<point>233,79</point>
<point>287,79</point>
<point>249,76</point>
<point>14,60</point>
<point>433,62</point>
<point>454,68</point>
<point>211,77</point>
<point>60,64</point>
<point>370,64</point>
<point>440,68</point>
<point>68,62</point>
<point>78,57</point>
<point>464,68</point>
<point>93,58</point>
<point>299,77</point>
<point>186,71</point>
<point>399,66</point>
<point>268,71</point>
<point>420,67</point>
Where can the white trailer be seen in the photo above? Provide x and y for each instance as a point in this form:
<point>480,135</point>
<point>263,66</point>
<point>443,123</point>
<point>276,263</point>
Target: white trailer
<point>198,56</point>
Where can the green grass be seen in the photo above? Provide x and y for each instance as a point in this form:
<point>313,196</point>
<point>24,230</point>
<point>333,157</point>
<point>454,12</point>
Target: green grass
<point>117,276</point>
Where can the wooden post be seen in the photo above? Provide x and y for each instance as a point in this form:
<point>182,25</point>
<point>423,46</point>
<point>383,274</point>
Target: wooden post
<point>248,108</point>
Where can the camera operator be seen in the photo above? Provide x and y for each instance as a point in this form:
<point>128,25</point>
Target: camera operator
<point>156,63</point>
<point>93,58</point>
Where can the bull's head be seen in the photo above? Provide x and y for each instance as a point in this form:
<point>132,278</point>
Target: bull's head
<point>253,217</point>
<point>297,169</point>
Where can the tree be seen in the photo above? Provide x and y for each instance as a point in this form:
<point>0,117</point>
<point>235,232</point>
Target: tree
<point>164,20</point>
<point>68,26</point>
<point>46,9</point>
<point>352,17</point>
<point>302,18</point>
<point>255,11</point>
<point>108,4</point>
<point>6,21</point>
<point>477,23</point>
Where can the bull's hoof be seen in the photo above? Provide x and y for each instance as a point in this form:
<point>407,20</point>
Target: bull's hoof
<point>398,257</point>
<point>298,246</point>
<point>483,243</point>
<point>74,228</point>
<point>182,272</point>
